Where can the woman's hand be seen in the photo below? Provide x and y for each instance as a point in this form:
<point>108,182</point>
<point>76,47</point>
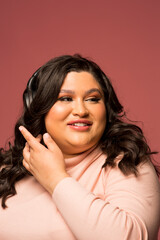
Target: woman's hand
<point>46,164</point>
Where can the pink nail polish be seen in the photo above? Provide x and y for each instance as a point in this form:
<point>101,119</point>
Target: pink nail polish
<point>20,128</point>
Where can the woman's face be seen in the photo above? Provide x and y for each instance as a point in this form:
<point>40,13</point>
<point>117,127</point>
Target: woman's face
<point>77,120</point>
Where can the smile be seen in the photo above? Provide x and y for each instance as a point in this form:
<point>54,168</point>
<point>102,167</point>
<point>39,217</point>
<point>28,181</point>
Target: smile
<point>80,125</point>
<point>80,122</point>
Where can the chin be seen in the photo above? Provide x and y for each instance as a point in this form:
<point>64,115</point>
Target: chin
<point>81,146</point>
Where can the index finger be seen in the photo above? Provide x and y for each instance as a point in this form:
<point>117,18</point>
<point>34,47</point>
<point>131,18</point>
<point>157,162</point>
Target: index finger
<point>32,141</point>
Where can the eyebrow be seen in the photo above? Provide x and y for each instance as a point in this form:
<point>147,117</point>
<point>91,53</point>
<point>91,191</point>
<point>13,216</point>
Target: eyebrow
<point>87,92</point>
<point>94,90</point>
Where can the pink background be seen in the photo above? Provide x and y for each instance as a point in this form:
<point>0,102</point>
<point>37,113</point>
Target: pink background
<point>123,37</point>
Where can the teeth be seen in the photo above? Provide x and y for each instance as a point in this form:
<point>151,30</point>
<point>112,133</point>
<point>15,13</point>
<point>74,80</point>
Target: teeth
<point>79,124</point>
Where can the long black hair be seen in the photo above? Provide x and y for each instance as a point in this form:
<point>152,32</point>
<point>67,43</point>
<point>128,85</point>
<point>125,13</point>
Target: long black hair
<point>40,95</point>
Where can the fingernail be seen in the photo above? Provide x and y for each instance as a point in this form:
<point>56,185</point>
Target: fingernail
<point>46,135</point>
<point>20,128</point>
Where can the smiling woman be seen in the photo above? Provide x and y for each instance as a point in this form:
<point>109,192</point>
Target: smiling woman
<point>77,169</point>
<point>77,120</point>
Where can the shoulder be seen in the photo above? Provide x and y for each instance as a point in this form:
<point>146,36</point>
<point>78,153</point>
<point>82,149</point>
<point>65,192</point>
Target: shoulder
<point>138,195</point>
<point>146,177</point>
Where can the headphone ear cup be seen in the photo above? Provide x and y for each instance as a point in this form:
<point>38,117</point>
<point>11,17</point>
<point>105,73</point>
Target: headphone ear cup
<point>31,89</point>
<point>28,98</point>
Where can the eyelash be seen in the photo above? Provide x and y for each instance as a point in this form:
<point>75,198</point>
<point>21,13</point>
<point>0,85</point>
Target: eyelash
<point>69,99</point>
<point>93,99</point>
<point>65,99</point>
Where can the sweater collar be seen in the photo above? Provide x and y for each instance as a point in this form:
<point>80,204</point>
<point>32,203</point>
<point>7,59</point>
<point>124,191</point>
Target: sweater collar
<point>89,156</point>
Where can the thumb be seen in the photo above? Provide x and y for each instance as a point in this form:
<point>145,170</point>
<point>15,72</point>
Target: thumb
<point>49,142</point>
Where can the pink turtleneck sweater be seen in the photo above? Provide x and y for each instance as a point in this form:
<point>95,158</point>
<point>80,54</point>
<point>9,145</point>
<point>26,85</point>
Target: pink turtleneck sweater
<point>92,204</point>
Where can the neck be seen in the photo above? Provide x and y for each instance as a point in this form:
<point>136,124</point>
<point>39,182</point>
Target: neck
<point>72,155</point>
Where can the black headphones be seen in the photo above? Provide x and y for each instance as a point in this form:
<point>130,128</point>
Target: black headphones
<point>31,89</point>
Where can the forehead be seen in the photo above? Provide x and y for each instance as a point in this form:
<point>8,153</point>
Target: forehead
<point>80,80</point>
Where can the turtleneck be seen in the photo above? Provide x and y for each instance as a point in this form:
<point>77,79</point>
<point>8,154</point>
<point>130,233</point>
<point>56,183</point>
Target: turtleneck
<point>84,158</point>
<point>83,166</point>
<point>93,203</point>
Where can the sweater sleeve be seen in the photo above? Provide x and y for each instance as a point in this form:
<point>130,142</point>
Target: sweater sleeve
<point>129,210</point>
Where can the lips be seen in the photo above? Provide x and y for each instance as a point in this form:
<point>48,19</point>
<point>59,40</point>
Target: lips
<point>80,123</point>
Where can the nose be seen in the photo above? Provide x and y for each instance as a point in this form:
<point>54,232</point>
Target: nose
<point>80,109</point>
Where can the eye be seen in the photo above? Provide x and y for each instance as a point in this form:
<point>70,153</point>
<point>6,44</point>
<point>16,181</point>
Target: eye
<point>65,99</point>
<point>93,99</point>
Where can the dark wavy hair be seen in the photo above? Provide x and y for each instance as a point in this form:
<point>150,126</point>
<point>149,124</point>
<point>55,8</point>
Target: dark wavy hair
<point>119,135</point>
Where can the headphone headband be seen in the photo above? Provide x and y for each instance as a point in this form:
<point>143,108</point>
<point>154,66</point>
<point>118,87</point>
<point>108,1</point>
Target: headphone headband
<point>31,89</point>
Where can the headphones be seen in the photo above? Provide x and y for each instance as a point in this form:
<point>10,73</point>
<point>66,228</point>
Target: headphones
<point>31,89</point>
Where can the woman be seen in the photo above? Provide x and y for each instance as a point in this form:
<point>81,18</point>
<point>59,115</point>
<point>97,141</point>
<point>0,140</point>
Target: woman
<point>77,169</point>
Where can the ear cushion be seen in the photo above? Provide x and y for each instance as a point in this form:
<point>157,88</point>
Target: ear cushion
<point>31,89</point>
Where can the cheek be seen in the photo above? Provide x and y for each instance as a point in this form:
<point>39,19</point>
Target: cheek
<point>57,113</point>
<point>100,114</point>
